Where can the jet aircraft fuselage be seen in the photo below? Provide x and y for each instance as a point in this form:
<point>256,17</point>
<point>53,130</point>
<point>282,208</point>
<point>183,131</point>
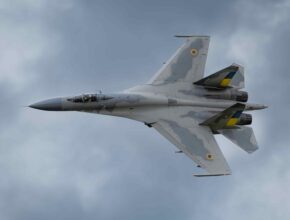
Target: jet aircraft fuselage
<point>180,103</point>
<point>123,104</point>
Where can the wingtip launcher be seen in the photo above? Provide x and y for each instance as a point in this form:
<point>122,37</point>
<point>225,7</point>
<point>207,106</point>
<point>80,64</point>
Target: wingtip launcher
<point>207,175</point>
<point>189,36</point>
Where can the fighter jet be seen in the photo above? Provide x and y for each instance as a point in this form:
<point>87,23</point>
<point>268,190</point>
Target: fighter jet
<point>181,104</point>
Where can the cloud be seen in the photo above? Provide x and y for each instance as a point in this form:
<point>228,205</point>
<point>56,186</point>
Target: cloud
<point>85,166</point>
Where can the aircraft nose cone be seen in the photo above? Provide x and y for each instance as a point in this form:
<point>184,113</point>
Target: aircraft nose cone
<point>49,105</point>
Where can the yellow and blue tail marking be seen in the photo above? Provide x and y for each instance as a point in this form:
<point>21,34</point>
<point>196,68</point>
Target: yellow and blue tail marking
<point>227,80</point>
<point>234,119</point>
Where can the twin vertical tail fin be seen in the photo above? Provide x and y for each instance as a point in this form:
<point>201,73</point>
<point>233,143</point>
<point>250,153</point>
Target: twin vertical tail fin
<point>229,77</point>
<point>230,118</point>
<point>230,123</point>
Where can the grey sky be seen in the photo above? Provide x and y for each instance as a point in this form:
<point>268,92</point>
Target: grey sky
<point>85,166</point>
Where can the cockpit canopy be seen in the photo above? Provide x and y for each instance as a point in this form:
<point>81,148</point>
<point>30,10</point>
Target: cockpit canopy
<point>86,98</point>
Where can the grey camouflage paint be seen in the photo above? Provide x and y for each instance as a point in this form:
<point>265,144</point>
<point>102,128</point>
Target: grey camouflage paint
<point>214,80</point>
<point>243,137</point>
<point>185,66</point>
<point>175,107</point>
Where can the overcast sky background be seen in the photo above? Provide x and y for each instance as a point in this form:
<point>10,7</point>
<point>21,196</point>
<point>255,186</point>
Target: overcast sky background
<point>56,165</point>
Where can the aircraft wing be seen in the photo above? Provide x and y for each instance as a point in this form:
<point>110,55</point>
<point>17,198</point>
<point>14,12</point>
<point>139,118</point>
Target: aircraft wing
<point>196,141</point>
<point>178,74</point>
<point>186,65</point>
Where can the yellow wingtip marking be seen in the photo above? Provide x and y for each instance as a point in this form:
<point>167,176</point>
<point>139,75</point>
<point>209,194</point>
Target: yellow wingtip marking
<point>225,82</point>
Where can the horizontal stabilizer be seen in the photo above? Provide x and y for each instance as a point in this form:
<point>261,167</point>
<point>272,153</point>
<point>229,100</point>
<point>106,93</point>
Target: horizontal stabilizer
<point>229,77</point>
<point>243,137</point>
